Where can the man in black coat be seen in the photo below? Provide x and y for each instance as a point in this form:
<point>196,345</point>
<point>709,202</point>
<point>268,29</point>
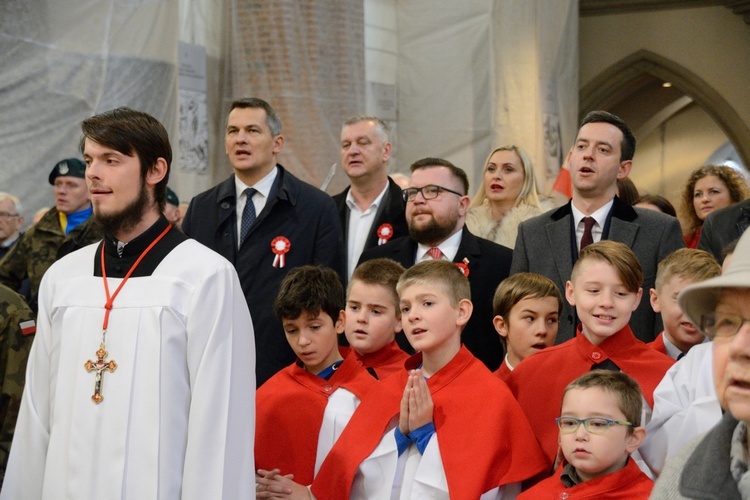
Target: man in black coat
<point>436,204</point>
<point>372,208</point>
<point>724,226</point>
<point>288,223</point>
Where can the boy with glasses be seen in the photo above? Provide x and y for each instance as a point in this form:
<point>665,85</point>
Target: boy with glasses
<point>599,428</point>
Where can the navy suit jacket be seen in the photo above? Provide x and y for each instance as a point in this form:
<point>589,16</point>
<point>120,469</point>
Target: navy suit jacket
<point>545,245</point>
<point>303,214</point>
<point>489,264</point>
<point>391,211</point>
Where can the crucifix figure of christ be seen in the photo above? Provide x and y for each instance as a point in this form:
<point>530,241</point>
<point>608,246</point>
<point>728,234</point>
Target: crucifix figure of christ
<point>99,366</point>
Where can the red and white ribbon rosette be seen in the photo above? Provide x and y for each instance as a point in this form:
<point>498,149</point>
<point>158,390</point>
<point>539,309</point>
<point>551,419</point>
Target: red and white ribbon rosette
<point>280,246</point>
<point>463,267</point>
<point>385,233</point>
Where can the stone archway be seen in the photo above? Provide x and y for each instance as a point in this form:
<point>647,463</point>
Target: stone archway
<point>600,92</point>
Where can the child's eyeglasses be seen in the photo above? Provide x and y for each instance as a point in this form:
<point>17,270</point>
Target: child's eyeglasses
<point>594,425</point>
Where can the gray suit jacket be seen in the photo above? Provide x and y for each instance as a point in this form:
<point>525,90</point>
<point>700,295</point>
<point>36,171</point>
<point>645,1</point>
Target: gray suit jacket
<point>723,227</point>
<point>701,468</point>
<point>545,245</point>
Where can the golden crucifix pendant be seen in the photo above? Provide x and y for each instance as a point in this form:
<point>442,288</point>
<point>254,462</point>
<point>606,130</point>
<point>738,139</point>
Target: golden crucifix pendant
<point>99,366</point>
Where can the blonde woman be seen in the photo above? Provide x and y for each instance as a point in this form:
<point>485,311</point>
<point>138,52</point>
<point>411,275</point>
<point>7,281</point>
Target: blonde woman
<point>507,196</point>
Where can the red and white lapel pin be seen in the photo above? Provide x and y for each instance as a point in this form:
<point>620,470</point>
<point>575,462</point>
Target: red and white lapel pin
<point>463,267</point>
<point>385,233</point>
<point>280,246</point>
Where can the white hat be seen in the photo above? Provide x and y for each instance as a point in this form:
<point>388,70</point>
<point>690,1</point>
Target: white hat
<point>700,298</point>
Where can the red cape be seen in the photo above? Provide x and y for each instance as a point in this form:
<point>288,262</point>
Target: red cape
<point>483,435</point>
<point>289,413</point>
<point>628,483</point>
<point>385,361</point>
<point>538,381</point>
<point>503,372</point>
<point>658,344</point>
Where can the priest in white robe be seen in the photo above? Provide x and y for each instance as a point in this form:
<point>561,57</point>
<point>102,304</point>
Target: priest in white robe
<point>152,395</point>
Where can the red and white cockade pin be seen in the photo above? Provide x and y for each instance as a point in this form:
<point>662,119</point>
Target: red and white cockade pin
<point>463,267</point>
<point>385,233</point>
<point>280,246</point>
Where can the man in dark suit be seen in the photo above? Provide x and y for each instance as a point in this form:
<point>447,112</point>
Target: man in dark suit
<point>436,204</point>
<point>549,244</point>
<point>372,208</point>
<point>723,227</point>
<point>265,221</point>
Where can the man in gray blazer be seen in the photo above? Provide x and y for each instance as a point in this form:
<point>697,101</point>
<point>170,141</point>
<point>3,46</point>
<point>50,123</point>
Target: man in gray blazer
<point>549,244</point>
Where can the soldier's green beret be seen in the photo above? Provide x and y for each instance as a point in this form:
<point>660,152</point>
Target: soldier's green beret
<point>70,167</point>
<point>172,198</point>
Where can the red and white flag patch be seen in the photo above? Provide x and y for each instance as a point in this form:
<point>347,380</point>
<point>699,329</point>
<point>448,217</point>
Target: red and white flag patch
<point>28,327</point>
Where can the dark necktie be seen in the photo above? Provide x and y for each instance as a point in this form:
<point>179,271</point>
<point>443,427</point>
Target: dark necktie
<point>248,214</point>
<point>607,364</point>
<point>588,238</point>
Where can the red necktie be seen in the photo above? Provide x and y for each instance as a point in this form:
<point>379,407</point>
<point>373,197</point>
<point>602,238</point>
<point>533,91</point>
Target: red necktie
<point>435,253</point>
<point>588,238</point>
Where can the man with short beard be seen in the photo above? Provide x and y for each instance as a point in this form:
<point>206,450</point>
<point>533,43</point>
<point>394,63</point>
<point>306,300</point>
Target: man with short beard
<point>140,380</point>
<point>436,204</point>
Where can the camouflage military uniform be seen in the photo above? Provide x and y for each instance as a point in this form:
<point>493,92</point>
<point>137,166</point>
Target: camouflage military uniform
<point>39,247</point>
<point>15,315</point>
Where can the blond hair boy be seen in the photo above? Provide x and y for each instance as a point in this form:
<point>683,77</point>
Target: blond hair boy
<point>678,270</point>
<point>446,427</point>
<point>605,288</point>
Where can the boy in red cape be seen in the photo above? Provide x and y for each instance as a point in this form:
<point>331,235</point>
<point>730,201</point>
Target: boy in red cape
<point>302,410</point>
<point>678,270</point>
<point>600,427</point>
<point>373,317</point>
<point>446,428</point>
<point>527,308</point>
<point>605,288</point>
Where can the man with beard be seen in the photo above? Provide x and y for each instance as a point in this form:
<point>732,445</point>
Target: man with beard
<point>549,244</point>
<point>436,203</point>
<point>140,380</point>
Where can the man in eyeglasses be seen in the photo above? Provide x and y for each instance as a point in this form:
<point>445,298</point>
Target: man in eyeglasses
<point>715,465</point>
<point>11,221</point>
<point>436,203</point>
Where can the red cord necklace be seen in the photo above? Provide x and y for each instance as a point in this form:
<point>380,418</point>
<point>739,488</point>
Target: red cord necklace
<point>101,364</point>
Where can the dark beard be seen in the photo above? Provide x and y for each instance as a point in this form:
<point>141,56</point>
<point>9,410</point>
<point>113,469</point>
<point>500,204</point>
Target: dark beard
<point>126,219</point>
<point>430,234</point>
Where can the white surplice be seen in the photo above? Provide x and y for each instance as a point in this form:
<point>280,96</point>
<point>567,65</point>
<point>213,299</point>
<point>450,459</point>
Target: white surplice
<point>177,418</point>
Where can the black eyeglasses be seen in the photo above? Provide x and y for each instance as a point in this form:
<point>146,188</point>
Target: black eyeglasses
<point>429,192</point>
<point>7,215</point>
